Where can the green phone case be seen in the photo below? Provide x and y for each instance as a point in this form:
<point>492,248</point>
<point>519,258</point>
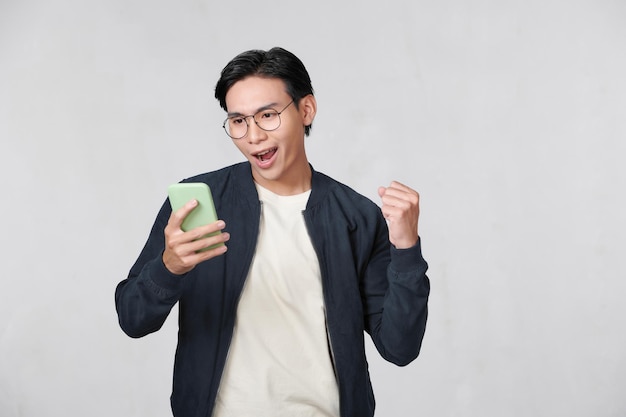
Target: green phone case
<point>204,213</point>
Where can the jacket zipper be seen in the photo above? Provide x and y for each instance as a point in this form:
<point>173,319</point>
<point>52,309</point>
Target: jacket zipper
<point>235,305</point>
<point>324,278</point>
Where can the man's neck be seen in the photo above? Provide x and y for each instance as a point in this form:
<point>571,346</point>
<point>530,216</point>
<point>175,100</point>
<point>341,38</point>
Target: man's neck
<point>297,183</point>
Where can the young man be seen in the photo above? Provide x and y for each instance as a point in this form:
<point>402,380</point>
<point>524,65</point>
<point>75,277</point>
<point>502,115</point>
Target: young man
<point>272,323</point>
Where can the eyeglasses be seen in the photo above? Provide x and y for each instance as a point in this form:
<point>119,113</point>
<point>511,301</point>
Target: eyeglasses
<point>268,119</point>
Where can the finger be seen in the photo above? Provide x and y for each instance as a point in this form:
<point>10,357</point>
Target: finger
<point>205,236</point>
<point>399,186</point>
<point>399,202</point>
<point>180,256</point>
<point>183,243</point>
<point>396,188</point>
<point>390,194</point>
<point>177,217</point>
<point>199,256</point>
<point>208,242</point>
<point>201,231</point>
<point>400,195</point>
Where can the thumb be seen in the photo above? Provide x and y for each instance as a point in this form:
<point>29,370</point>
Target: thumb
<point>381,191</point>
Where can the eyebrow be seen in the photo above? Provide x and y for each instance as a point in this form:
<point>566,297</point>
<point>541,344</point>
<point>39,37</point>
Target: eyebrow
<point>265,107</point>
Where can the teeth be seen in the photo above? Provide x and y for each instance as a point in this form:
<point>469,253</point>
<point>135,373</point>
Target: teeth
<point>260,155</point>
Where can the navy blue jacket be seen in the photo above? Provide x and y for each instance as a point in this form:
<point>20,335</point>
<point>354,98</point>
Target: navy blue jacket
<point>367,284</point>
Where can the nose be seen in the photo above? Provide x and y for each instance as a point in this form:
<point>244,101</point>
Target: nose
<point>255,133</point>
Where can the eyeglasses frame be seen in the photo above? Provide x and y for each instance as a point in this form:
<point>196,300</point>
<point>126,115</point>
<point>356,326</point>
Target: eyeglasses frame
<point>245,118</point>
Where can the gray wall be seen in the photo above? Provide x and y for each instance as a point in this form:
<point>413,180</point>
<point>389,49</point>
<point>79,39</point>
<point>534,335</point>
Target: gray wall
<point>508,117</point>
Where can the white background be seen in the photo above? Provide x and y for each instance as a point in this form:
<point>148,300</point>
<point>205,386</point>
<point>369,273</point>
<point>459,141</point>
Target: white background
<point>508,117</point>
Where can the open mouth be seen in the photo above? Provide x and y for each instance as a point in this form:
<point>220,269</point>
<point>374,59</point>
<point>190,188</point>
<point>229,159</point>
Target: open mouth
<point>266,155</point>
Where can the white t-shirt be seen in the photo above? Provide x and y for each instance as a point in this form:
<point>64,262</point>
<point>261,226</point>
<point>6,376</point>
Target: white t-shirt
<point>279,363</point>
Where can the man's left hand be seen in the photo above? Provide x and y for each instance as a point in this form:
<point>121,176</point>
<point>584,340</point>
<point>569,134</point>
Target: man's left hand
<point>401,209</point>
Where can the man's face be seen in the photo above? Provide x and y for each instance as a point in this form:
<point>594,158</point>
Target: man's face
<point>277,157</point>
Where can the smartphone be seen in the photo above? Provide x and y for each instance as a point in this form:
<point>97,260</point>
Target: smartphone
<point>204,213</point>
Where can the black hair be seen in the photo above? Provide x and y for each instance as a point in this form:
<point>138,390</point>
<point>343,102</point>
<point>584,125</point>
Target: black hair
<point>274,63</point>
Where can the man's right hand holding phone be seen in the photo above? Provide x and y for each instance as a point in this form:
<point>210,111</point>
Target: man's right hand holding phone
<point>183,250</point>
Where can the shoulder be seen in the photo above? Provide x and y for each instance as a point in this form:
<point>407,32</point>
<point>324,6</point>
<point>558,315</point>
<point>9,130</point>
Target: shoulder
<point>327,190</point>
<point>231,185</point>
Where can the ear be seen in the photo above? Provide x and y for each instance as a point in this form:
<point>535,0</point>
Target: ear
<point>308,109</point>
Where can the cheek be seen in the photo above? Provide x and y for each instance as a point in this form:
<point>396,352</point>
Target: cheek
<point>294,128</point>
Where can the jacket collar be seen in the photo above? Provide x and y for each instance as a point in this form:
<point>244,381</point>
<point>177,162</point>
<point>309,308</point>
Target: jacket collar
<point>245,184</point>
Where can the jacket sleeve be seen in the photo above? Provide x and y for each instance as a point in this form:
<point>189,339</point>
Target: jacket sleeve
<point>145,298</point>
<point>395,297</point>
